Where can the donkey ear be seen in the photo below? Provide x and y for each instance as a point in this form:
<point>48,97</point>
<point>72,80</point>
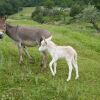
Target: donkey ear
<point>49,39</point>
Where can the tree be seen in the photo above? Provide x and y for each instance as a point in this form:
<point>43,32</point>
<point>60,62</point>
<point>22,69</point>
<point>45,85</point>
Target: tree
<point>96,3</point>
<point>37,15</point>
<point>75,9</point>
<point>8,7</point>
<point>48,3</point>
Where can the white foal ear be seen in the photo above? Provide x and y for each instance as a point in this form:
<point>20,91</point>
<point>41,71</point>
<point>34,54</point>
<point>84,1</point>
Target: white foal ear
<point>49,39</point>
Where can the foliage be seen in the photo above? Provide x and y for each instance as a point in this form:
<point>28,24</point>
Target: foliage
<point>48,3</point>
<point>37,15</point>
<point>91,15</point>
<point>75,9</point>
<point>45,15</point>
<point>8,7</point>
<point>96,3</point>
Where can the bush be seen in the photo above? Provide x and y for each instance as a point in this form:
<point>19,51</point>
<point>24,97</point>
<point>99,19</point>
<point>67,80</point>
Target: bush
<point>91,15</point>
<point>75,9</point>
<point>88,14</point>
<point>37,15</point>
<point>45,15</point>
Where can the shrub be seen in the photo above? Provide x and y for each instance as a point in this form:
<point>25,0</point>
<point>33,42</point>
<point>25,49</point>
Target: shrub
<point>91,15</point>
<point>75,9</point>
<point>45,15</point>
<point>37,15</point>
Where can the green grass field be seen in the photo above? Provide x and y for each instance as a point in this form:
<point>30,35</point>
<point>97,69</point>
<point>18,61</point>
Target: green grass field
<point>26,82</point>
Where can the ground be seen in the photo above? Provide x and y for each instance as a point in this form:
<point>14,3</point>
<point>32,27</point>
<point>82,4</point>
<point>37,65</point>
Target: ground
<point>26,82</point>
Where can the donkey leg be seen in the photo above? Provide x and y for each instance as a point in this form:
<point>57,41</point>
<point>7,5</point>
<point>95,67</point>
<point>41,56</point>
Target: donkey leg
<point>53,62</point>
<point>20,53</point>
<point>27,53</point>
<point>44,59</point>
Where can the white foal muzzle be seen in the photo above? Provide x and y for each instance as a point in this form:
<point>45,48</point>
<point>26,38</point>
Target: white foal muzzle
<point>41,49</point>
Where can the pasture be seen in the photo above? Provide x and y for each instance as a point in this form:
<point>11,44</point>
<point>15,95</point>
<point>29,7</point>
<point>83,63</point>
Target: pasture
<point>26,82</point>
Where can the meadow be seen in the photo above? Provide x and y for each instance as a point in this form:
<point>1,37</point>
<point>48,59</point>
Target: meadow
<point>26,82</point>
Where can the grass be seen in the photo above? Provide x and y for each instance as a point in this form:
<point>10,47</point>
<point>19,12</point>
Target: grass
<point>26,82</point>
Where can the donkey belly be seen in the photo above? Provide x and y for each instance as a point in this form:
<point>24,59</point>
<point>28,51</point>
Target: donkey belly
<point>29,43</point>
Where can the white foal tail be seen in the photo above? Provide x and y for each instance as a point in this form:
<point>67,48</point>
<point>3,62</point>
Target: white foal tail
<point>75,65</point>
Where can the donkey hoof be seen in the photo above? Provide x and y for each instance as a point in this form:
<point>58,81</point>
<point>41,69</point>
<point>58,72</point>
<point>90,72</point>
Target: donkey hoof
<point>31,61</point>
<point>42,69</point>
<point>19,62</point>
<point>41,65</point>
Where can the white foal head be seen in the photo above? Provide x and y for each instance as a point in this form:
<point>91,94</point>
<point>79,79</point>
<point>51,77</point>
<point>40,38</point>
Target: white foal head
<point>44,43</point>
<point>1,35</point>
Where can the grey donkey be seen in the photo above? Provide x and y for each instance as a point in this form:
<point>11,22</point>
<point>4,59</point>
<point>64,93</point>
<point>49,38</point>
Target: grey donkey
<point>27,37</point>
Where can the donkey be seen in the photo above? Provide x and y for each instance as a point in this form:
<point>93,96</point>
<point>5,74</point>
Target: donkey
<point>57,52</point>
<point>27,37</point>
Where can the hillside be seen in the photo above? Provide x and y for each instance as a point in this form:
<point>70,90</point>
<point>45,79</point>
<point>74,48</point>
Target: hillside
<point>26,82</point>
<point>24,14</point>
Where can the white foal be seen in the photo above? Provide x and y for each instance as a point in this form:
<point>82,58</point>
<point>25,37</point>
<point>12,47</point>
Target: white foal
<point>57,52</point>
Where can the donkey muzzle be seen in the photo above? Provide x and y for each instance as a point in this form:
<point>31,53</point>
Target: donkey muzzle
<point>1,35</point>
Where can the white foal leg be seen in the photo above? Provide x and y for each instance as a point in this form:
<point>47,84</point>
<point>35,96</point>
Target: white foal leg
<point>70,70</point>
<point>50,65</point>
<point>76,69</point>
<point>55,65</point>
